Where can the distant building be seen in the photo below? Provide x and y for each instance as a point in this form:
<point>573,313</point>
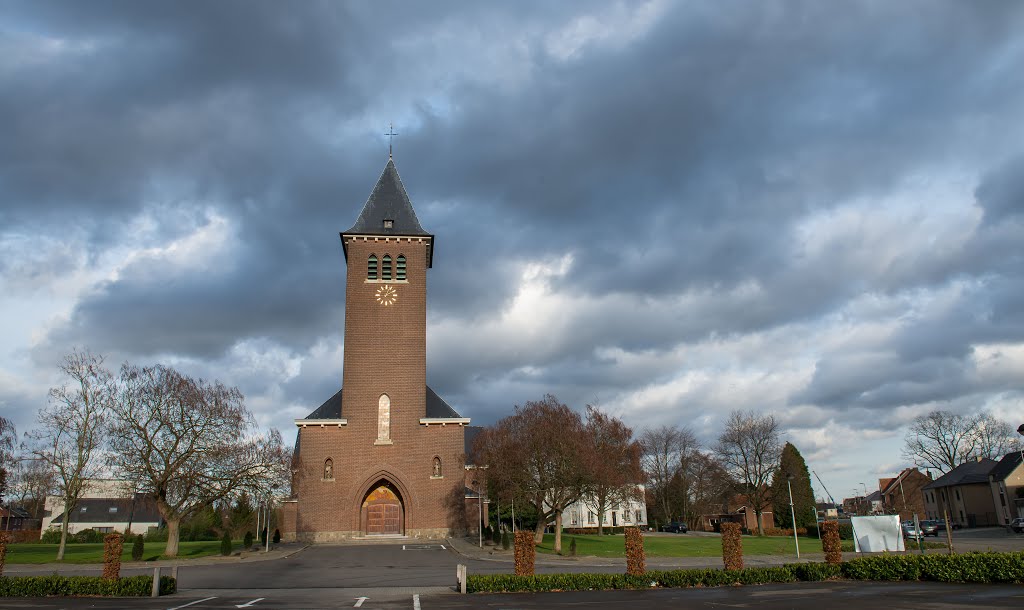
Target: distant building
<point>903,494</point>
<point>740,510</point>
<point>109,515</point>
<point>1006,481</point>
<point>583,514</point>
<point>965,493</point>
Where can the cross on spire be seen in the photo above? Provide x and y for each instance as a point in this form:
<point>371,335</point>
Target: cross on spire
<point>391,136</point>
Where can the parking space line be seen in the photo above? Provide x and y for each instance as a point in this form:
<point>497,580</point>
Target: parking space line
<point>198,601</point>
<point>416,602</point>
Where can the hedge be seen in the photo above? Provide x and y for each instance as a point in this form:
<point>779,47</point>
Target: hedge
<point>963,568</point>
<point>42,586</point>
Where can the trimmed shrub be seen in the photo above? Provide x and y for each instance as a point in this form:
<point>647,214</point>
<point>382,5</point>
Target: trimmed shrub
<point>52,536</point>
<point>524,553</point>
<point>732,546</point>
<point>156,534</point>
<point>814,572</point>
<point>277,536</point>
<point>776,531</point>
<point>42,586</point>
<point>113,544</point>
<point>572,547</point>
<point>845,531</point>
<point>138,548</point>
<point>505,542</point>
<point>247,541</point>
<point>496,536</point>
<point>830,542</point>
<point>225,544</point>
<point>86,536</point>
<point>636,559</point>
<point>3,551</point>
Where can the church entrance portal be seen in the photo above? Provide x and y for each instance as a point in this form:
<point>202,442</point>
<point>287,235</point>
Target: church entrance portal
<point>382,511</point>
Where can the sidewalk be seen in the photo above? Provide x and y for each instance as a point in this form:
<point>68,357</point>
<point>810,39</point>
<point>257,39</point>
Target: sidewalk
<point>470,550</point>
<point>277,551</point>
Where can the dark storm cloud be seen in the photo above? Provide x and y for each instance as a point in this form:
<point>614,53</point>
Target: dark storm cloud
<point>678,162</point>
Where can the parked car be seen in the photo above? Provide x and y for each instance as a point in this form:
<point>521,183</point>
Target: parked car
<point>930,528</point>
<point>1017,525</point>
<point>911,532</point>
<point>676,527</point>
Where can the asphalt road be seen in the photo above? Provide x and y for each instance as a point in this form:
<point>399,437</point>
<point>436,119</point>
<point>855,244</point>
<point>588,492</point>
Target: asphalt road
<point>805,596</point>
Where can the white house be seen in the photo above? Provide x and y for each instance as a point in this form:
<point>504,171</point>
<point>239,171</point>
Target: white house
<point>583,514</point>
<point>106,506</point>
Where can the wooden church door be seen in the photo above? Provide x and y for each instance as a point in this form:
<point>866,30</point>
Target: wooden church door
<point>382,512</point>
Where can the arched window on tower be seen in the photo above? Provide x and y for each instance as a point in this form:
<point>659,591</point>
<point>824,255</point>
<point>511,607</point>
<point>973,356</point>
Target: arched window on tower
<point>329,469</point>
<point>436,472</point>
<point>371,267</point>
<point>385,268</point>
<point>400,267</point>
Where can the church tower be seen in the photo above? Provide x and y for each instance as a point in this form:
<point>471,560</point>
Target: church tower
<point>383,456</point>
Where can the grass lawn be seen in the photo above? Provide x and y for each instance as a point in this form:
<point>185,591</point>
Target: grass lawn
<point>684,545</point>
<point>93,553</point>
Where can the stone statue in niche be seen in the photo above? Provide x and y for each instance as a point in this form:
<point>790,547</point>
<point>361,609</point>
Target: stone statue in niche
<point>437,467</point>
<point>329,469</point>
<point>384,418</point>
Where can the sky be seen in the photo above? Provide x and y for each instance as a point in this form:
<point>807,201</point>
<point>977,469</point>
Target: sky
<point>667,209</point>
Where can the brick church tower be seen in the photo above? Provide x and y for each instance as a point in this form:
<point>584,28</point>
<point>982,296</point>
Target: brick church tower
<point>384,455</point>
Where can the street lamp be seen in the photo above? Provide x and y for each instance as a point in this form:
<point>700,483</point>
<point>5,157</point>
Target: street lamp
<point>792,513</point>
<point>480,519</point>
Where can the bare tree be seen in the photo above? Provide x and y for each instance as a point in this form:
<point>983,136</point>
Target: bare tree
<point>613,462</point>
<point>749,449</point>
<point>538,453</point>
<point>942,440</point>
<point>711,486</point>
<point>668,452</point>
<point>186,442</point>
<point>71,430</point>
<point>31,481</point>
<point>8,439</point>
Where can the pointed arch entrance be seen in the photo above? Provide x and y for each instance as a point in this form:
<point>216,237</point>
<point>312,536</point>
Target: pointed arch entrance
<point>382,512</point>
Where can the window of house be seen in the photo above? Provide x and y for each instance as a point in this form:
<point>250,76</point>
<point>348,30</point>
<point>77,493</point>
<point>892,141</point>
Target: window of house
<point>400,267</point>
<point>105,530</point>
<point>639,516</point>
<point>84,508</point>
<point>958,494</point>
<point>591,517</point>
<point>388,223</point>
<point>371,267</point>
<point>385,268</point>
<point>112,510</point>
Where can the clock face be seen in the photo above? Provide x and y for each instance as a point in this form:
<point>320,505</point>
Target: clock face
<point>387,295</point>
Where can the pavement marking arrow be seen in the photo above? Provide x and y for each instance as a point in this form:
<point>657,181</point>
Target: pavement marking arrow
<point>359,601</point>
<point>247,604</point>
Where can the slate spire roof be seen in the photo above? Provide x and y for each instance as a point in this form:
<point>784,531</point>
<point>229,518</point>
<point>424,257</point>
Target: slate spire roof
<point>388,202</point>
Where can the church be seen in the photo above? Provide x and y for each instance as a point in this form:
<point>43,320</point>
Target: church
<point>385,455</point>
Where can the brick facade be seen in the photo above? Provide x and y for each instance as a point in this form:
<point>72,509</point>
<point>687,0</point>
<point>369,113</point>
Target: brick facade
<point>385,354</point>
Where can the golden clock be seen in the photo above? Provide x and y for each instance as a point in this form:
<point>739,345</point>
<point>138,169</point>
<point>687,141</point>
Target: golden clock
<point>387,295</point>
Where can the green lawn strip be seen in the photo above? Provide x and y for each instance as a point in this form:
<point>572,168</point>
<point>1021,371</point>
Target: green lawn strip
<point>685,545</point>
<point>36,553</point>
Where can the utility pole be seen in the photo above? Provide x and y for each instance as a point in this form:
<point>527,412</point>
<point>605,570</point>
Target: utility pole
<point>792,514</point>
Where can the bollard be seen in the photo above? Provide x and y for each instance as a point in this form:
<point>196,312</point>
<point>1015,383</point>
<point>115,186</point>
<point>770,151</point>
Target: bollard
<point>156,582</point>
<point>462,585</point>
<point>174,575</point>
<point>458,576</point>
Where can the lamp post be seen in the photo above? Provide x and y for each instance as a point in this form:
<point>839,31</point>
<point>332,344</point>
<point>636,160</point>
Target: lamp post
<point>792,513</point>
<point>480,517</point>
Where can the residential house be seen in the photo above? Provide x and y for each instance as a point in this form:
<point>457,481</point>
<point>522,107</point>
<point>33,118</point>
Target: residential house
<point>583,514</point>
<point>1007,483</point>
<point>965,492</point>
<point>904,494</point>
<point>108,515</point>
<point>740,510</point>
